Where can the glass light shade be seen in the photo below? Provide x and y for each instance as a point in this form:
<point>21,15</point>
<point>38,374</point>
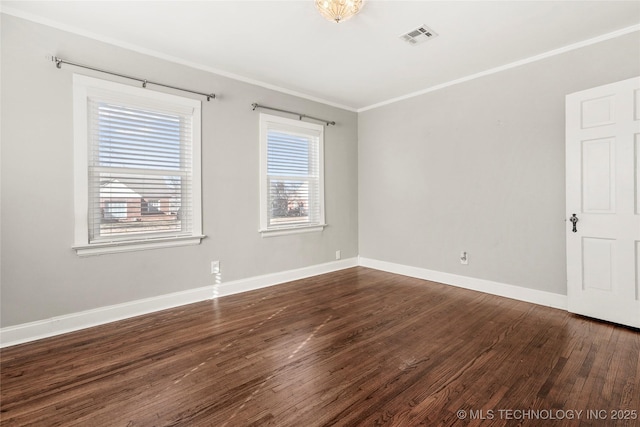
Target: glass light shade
<point>338,10</point>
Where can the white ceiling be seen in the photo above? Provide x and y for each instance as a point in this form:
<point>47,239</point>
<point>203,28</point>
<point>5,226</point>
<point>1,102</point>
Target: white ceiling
<point>356,64</point>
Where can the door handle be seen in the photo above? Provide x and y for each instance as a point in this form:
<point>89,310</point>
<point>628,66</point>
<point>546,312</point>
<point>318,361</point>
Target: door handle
<point>574,219</point>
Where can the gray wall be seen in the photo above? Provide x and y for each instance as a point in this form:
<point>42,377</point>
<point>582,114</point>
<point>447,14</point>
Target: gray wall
<point>43,277</point>
<point>479,167</point>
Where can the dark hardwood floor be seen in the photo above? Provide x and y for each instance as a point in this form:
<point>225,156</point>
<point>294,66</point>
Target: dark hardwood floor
<point>354,347</point>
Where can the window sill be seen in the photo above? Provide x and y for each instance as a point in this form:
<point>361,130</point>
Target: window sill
<point>292,230</point>
<point>135,245</point>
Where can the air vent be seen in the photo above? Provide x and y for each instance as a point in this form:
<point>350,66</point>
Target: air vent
<point>419,35</point>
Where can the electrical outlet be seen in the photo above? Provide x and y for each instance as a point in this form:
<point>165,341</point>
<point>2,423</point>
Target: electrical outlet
<point>338,255</point>
<point>464,258</point>
<point>215,267</point>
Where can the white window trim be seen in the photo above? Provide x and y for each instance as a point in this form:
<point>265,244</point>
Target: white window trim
<point>266,120</point>
<point>85,87</point>
<point>273,232</point>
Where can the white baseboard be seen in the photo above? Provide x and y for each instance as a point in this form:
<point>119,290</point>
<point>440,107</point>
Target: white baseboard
<point>26,332</point>
<point>495,288</point>
<point>45,328</point>
<point>32,331</point>
<point>257,282</point>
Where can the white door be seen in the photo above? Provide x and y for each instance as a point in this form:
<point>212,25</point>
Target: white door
<point>603,191</point>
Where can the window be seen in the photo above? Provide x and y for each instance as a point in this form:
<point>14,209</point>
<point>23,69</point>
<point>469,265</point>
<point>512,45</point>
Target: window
<point>292,183</point>
<point>152,207</point>
<point>137,168</point>
<point>115,210</point>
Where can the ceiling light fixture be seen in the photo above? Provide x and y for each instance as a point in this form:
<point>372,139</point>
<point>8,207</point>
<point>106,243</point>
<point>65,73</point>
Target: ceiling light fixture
<point>338,10</point>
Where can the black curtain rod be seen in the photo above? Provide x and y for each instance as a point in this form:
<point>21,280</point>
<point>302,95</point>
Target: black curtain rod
<point>144,82</point>
<point>300,116</point>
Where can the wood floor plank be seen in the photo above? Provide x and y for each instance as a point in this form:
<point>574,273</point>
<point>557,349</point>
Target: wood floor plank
<point>354,347</point>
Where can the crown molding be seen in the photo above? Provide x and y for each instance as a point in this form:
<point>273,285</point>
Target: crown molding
<point>545,55</point>
<point>255,82</point>
<point>154,53</point>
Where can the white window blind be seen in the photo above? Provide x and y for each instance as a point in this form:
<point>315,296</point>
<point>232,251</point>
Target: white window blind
<point>142,168</point>
<point>141,159</point>
<point>292,174</point>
